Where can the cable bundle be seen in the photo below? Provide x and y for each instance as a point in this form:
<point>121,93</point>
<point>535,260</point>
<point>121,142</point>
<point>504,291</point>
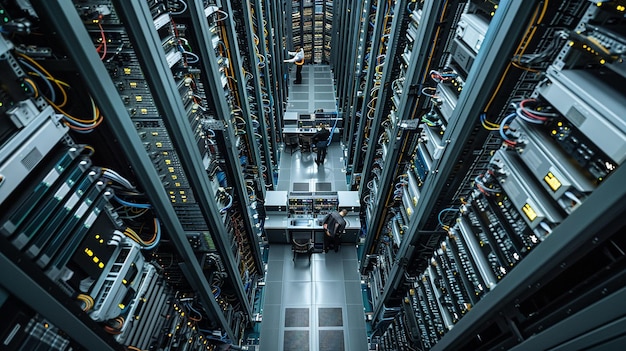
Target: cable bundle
<point>77,124</point>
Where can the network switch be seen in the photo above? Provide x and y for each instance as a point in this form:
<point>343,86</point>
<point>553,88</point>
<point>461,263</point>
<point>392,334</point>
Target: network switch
<point>22,153</point>
<point>591,104</point>
<point>471,29</point>
<point>59,163</point>
<point>433,142</point>
<point>551,166</point>
<point>118,279</point>
<point>62,201</point>
<point>462,56</point>
<point>528,197</point>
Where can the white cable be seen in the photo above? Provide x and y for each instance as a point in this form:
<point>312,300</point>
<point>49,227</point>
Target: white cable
<point>573,197</point>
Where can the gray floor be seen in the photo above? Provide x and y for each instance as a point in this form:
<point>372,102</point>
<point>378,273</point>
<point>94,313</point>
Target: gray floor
<point>313,305</point>
<point>300,167</point>
<point>316,304</point>
<point>315,92</point>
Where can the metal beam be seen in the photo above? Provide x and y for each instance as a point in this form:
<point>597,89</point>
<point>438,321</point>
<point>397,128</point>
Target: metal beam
<point>417,65</point>
<point>596,324</point>
<point>375,223</point>
<point>210,65</point>
<point>138,20</point>
<point>252,59</point>
<point>353,124</point>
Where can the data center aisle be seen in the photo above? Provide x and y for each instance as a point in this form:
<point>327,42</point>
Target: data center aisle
<point>312,305</point>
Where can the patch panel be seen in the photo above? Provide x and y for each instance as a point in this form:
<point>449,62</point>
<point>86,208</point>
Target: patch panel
<point>482,250</point>
<point>458,255</point>
<point>464,300</point>
<point>446,288</point>
<point>424,332</point>
<point>190,217</point>
<point>443,301</point>
<point>508,252</point>
<point>524,238</point>
<point>594,162</point>
<point>432,310</point>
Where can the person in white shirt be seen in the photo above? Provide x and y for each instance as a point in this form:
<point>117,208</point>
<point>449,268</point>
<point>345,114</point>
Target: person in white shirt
<point>298,59</point>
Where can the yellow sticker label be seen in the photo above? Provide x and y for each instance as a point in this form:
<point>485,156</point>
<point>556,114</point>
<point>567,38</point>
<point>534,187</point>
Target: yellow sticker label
<point>552,181</point>
<point>529,212</point>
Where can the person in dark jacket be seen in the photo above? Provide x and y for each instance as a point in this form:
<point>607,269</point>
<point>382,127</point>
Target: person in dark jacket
<point>321,141</point>
<point>334,225</point>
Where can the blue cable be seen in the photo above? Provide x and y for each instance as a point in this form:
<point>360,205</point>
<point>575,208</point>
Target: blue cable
<point>229,205</point>
<point>332,131</point>
<point>505,122</point>
<point>131,204</point>
<point>188,305</point>
<point>451,209</point>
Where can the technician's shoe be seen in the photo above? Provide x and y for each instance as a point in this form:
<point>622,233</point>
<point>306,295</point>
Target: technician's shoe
<point>326,251</point>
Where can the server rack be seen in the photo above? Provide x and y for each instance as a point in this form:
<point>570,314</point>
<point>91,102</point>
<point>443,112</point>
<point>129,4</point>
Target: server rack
<point>474,105</point>
<point>311,28</point>
<point>162,75</point>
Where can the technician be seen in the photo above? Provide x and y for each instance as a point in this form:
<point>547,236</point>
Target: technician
<point>334,226</point>
<point>298,59</point>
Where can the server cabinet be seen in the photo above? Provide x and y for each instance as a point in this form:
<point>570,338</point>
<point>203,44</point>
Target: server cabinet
<point>151,200</point>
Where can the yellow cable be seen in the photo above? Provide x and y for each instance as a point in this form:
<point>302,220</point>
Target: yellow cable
<point>49,77</point>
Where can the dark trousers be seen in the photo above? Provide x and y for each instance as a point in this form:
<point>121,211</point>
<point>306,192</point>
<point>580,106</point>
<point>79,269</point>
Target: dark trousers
<point>298,74</point>
<point>331,242</point>
<point>321,154</point>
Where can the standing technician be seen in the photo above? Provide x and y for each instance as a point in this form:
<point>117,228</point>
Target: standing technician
<point>298,59</point>
<point>334,225</point>
<point>321,141</point>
